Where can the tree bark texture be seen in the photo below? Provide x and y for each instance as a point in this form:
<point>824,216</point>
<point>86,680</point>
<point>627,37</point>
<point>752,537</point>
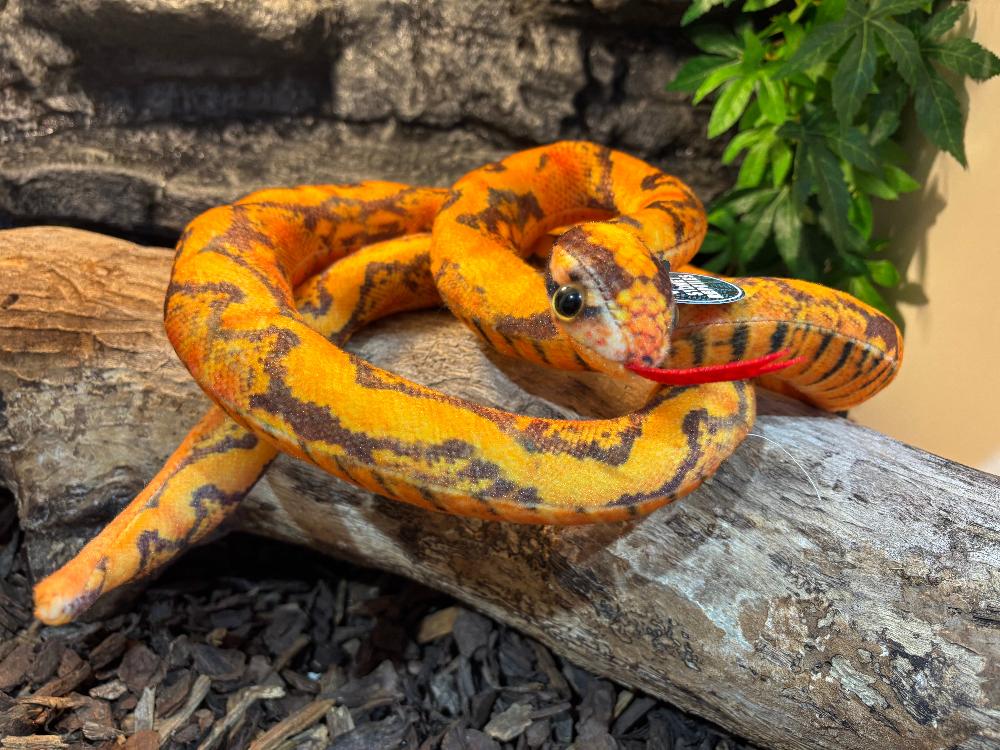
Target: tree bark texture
<point>868,616</point>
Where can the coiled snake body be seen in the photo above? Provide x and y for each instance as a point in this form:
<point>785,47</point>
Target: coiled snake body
<point>259,310</point>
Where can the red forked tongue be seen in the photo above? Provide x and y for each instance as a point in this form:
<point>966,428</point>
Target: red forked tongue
<point>740,370</point>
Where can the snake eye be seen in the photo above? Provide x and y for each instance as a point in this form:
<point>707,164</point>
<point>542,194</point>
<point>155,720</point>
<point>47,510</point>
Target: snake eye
<point>567,302</point>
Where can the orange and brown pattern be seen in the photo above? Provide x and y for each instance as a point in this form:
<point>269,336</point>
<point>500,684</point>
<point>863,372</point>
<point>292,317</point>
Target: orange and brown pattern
<point>265,291</point>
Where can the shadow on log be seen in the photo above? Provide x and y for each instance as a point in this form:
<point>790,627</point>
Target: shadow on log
<point>866,617</point>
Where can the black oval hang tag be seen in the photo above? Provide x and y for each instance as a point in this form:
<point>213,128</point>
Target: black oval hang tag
<point>695,289</point>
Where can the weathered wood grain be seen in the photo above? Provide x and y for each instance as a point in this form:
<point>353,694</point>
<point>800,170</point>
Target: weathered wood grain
<point>866,617</point>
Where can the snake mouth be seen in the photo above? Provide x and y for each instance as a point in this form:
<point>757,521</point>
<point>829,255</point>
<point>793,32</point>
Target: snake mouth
<point>739,370</point>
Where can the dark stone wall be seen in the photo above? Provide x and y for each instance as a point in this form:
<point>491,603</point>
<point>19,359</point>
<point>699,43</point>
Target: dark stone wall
<point>131,116</point>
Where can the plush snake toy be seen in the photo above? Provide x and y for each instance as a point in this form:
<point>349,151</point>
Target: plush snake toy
<point>265,291</point>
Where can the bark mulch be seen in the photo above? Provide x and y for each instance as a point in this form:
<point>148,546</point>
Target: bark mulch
<point>248,643</point>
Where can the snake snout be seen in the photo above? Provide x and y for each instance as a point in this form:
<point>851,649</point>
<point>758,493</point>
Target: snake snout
<point>611,296</point>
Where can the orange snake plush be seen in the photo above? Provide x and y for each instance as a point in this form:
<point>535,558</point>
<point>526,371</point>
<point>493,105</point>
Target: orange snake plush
<point>265,291</point>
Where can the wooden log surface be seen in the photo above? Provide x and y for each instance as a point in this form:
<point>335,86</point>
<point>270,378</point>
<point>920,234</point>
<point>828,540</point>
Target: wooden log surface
<point>866,617</point>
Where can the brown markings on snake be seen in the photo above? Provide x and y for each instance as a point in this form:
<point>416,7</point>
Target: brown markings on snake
<point>599,261</point>
<point>778,337</point>
<point>538,326</point>
<point>659,179</point>
<point>694,422</point>
<point>367,207</point>
<point>627,221</point>
<point>604,198</point>
<point>429,496</point>
<point>315,423</point>
<point>663,284</point>
<point>90,594</point>
<point>310,421</point>
<point>414,275</point>
<point>874,323</point>
<point>229,294</point>
<point>480,330</point>
<point>380,482</point>
<point>318,309</point>
<point>453,198</point>
<point>543,440</point>
<point>738,341</point>
<point>879,378</point>
<point>858,368</point>
<point>504,208</point>
<point>151,543</point>
<point>537,436</point>
<point>279,290</point>
<point>884,329</point>
<point>676,218</point>
<point>246,441</point>
<point>697,341</point>
<point>845,352</point>
<point>540,351</point>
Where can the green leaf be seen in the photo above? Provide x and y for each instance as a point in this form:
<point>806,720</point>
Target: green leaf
<point>751,5</point>
<point>788,233</point>
<point>884,110</point>
<point>853,80</point>
<point>760,230</point>
<point>717,40</point>
<point>771,98</point>
<point>940,116</point>
<point>715,79</point>
<point>852,263</point>
<point>834,198</point>
<point>818,46</point>
<point>754,165</point>
<point>750,201</point>
<point>694,72</point>
<point>741,141</point>
<point>883,8</point>
<point>883,273</point>
<point>699,8</point>
<point>781,162</point>
<point>722,217</point>
<point>715,242</point>
<point>862,288</point>
<point>966,57</point>
<point>902,47</point>
<point>753,50</point>
<point>943,20</point>
<point>852,145</point>
<point>874,186</point>
<point>717,264</point>
<point>803,183</point>
<point>830,10</point>
<point>793,131</point>
<point>793,33</point>
<point>730,105</point>
<point>899,180</point>
<point>861,216</point>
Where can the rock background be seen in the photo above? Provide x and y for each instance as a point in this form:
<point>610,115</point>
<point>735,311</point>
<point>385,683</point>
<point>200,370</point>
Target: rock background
<point>131,116</point>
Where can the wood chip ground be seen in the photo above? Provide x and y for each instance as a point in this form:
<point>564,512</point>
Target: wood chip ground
<point>251,644</point>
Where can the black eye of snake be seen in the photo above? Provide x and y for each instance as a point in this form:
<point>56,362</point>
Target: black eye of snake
<point>567,302</point>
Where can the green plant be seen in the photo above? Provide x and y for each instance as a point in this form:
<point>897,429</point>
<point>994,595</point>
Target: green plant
<point>816,93</point>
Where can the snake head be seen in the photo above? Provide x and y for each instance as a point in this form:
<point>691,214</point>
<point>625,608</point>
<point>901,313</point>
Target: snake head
<point>611,296</point>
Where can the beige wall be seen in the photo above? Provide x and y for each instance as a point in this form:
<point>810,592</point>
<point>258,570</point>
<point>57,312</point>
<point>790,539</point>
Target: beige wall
<point>946,398</point>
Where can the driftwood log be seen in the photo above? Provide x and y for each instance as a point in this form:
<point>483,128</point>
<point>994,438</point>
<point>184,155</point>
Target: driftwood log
<point>866,617</point>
